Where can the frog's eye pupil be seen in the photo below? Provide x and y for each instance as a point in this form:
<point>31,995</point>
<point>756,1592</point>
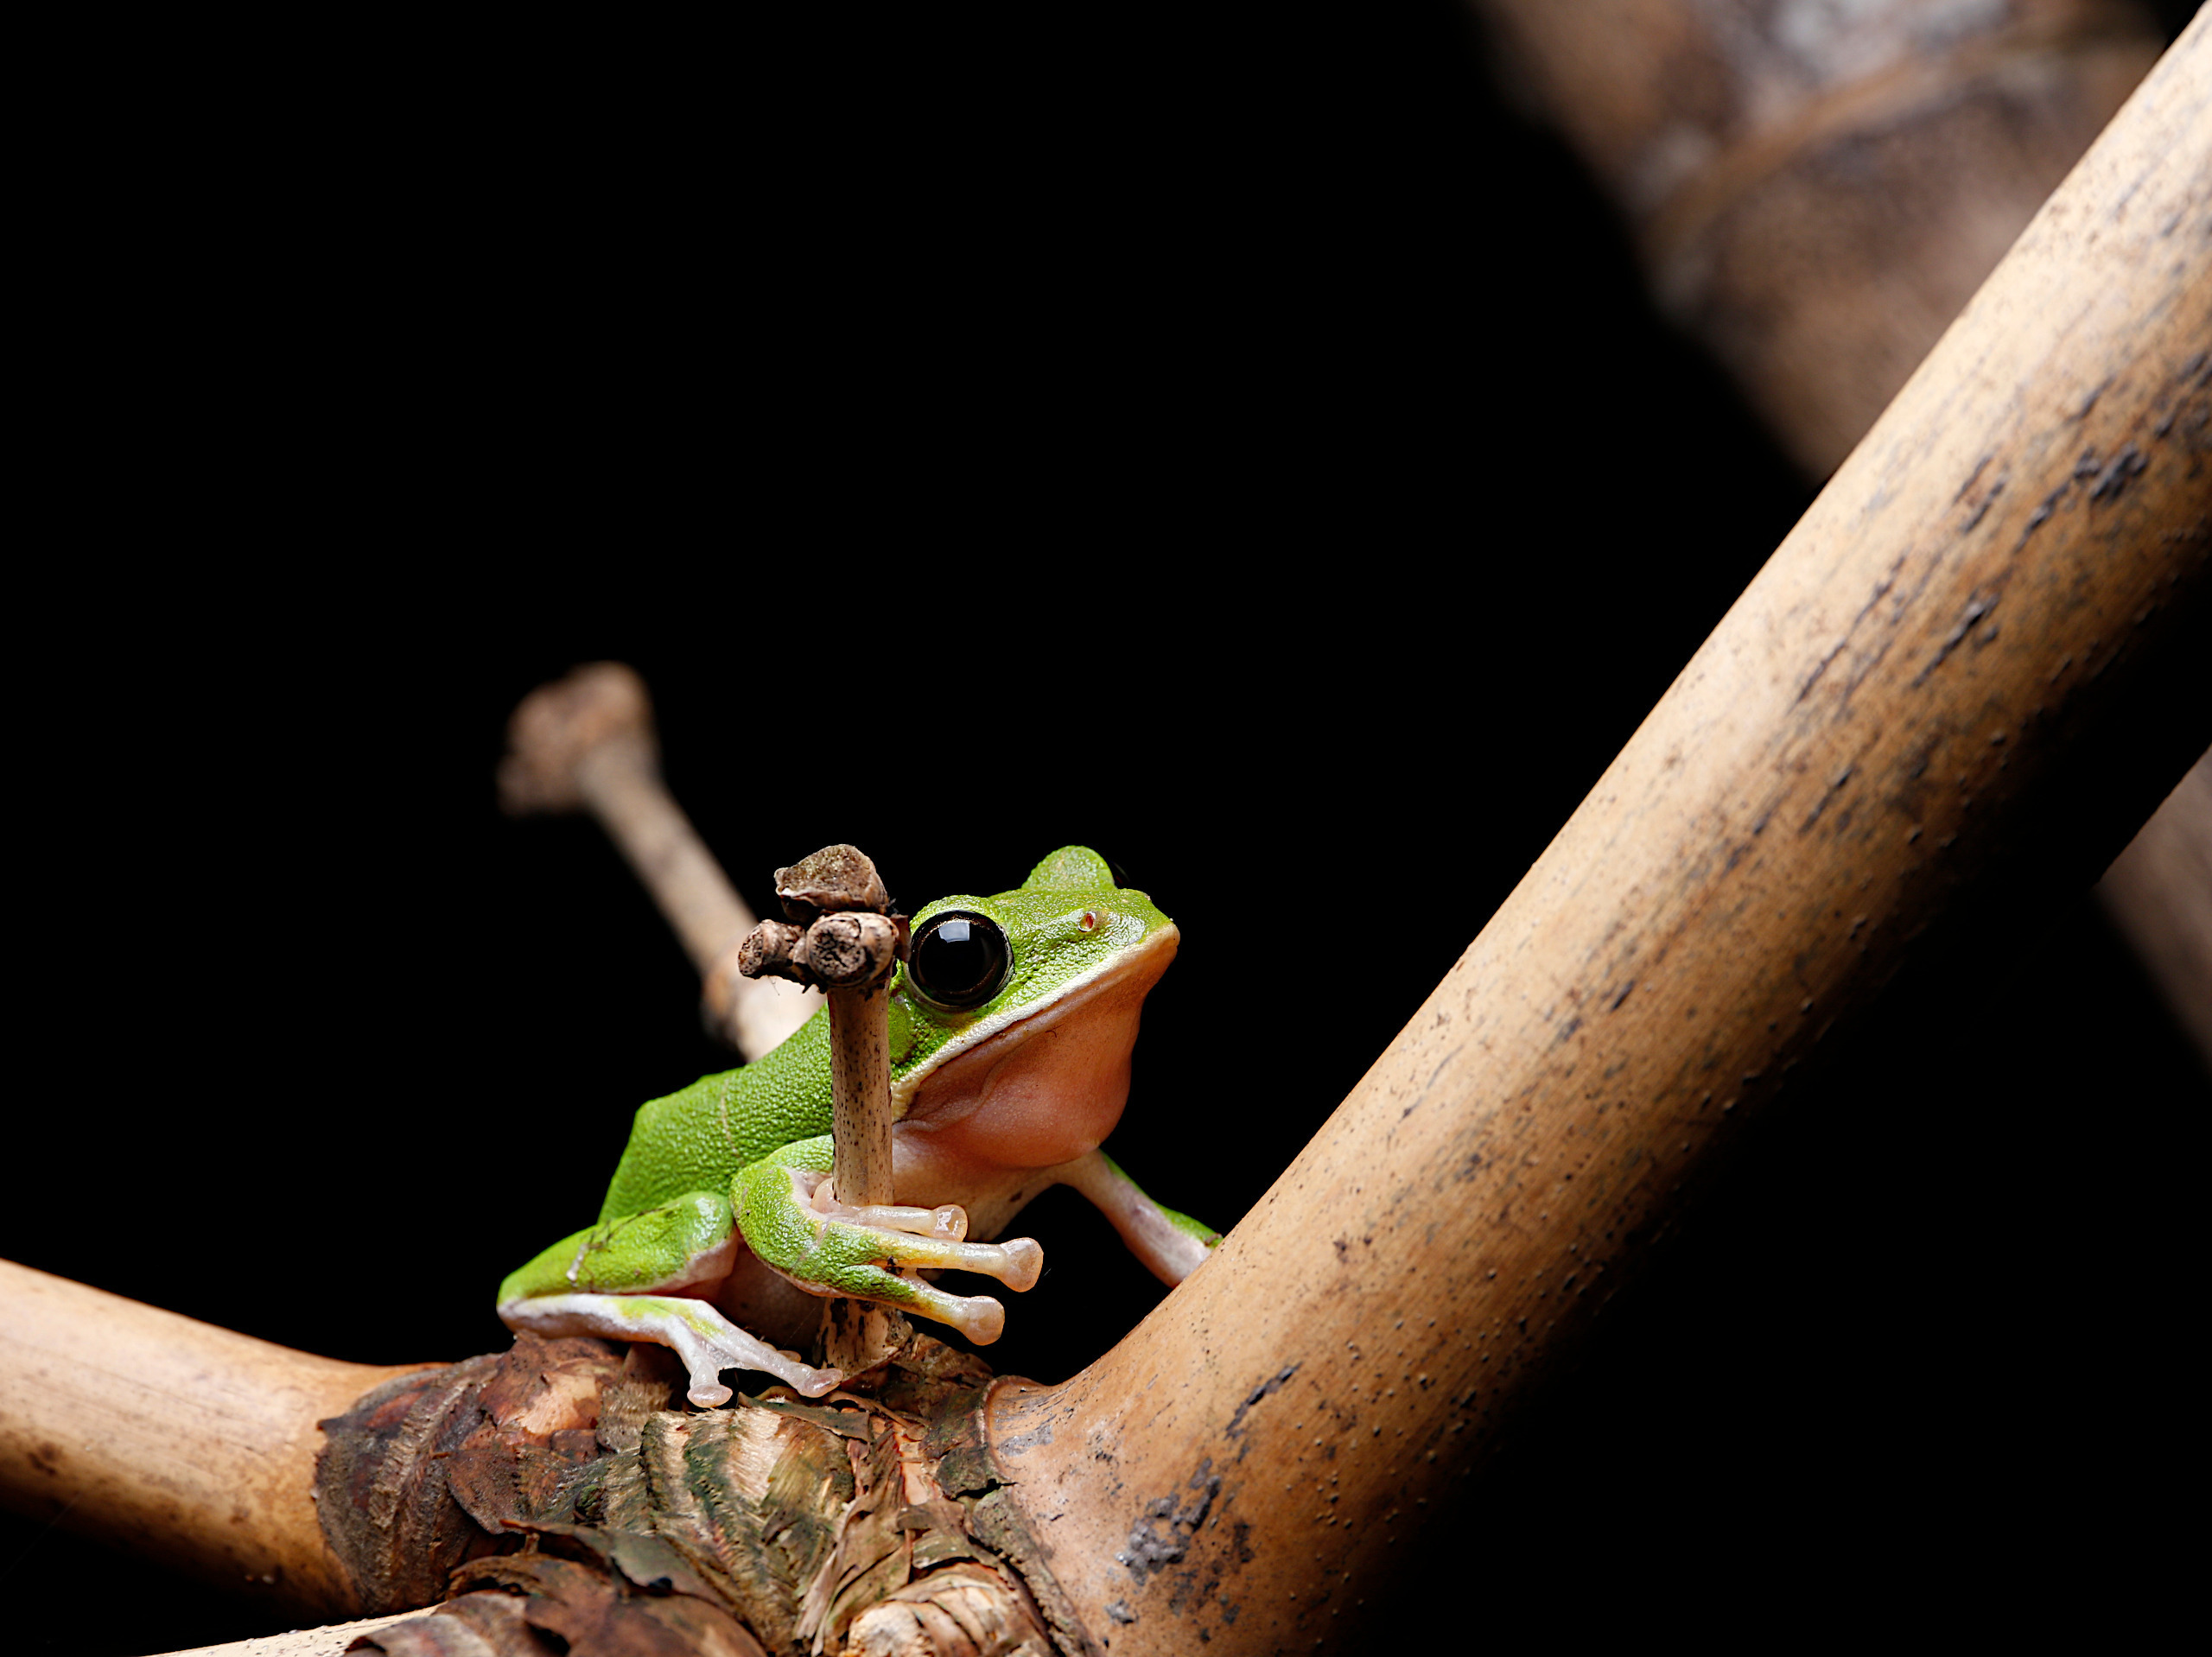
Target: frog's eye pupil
<point>959,960</point>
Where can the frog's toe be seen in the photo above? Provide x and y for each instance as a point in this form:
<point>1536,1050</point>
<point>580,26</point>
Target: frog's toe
<point>707,1354</point>
<point>978,1317</point>
<point>1018,1262</point>
<point>947,1222</point>
<point>707,1341</point>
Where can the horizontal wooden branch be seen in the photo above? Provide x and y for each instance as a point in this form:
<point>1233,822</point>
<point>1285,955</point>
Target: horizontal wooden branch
<point>177,1440</point>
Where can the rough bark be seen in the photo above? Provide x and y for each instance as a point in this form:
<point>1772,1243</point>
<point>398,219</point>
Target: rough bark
<point>552,1490</point>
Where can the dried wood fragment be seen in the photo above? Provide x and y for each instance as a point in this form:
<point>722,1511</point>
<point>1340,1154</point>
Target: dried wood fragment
<point>843,939</point>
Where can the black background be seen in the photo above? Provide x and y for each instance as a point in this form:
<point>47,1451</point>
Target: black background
<point>1235,442</point>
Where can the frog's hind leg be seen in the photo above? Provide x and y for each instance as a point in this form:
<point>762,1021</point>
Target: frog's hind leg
<point>1171,1245</point>
<point>602,1281</point>
<point>707,1341</point>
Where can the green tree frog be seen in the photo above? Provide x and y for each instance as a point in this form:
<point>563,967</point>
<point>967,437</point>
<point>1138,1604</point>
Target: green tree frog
<point>1012,1023</point>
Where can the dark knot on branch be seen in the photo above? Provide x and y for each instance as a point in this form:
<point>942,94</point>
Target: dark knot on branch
<point>839,936</point>
<point>839,951</point>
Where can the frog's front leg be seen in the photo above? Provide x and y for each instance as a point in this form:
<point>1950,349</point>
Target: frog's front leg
<point>1171,1245</point>
<point>792,1220</point>
<point>601,1282</point>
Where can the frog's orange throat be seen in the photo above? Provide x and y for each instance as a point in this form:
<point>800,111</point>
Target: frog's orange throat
<point>986,1044</point>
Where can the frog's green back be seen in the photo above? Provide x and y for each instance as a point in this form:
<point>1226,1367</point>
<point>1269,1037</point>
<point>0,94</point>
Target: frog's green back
<point>697,1138</point>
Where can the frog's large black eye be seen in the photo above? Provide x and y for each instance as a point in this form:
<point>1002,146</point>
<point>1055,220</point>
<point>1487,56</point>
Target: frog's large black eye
<point>959,958</point>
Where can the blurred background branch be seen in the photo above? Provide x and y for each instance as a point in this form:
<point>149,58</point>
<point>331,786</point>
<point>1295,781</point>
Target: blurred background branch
<point>1816,190</point>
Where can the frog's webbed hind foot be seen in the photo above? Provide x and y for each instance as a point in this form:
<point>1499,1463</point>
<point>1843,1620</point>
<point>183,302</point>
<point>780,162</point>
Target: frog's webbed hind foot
<point>707,1341</point>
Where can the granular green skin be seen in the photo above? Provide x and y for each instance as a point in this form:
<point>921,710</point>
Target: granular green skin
<point>698,1137</point>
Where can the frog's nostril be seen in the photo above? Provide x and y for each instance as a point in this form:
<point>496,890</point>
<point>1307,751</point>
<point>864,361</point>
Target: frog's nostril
<point>1088,921</point>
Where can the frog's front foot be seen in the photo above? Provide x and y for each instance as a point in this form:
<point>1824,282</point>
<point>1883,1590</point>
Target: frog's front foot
<point>876,1253</point>
<point>931,1239</point>
<point>948,1222</point>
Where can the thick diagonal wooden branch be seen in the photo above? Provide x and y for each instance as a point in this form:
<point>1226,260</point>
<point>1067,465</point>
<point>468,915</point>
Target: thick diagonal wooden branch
<point>1912,680</point>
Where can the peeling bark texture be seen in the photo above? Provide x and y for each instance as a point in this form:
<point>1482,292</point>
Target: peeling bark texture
<point>551,1491</point>
<point>1963,681</point>
<point>1819,189</point>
